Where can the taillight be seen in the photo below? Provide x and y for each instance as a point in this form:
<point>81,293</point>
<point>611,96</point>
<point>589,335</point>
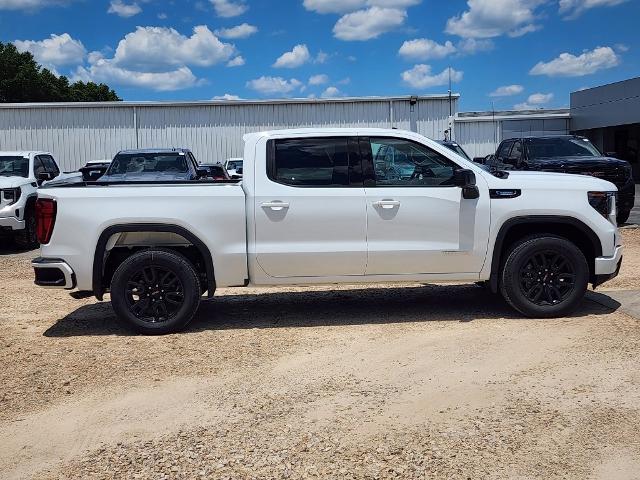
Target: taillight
<point>46,219</point>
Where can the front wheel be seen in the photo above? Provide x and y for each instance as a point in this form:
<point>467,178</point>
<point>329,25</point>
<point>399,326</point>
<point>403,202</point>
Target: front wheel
<point>27,238</point>
<point>544,277</point>
<point>156,292</point>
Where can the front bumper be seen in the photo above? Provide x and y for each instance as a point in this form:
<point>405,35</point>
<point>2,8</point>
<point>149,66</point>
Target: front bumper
<point>607,268</point>
<point>53,273</point>
<point>11,223</point>
<point>626,197</point>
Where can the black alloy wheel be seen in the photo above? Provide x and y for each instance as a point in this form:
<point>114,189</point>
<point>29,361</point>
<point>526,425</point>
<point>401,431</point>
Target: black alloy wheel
<point>156,291</point>
<point>547,278</point>
<point>154,294</point>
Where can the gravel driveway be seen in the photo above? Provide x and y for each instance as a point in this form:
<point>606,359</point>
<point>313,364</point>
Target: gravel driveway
<point>408,381</point>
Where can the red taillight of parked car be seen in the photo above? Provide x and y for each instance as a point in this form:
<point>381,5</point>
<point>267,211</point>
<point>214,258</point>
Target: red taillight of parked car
<point>46,219</point>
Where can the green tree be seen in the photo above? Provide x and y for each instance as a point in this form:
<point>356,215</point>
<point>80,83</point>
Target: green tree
<point>23,80</point>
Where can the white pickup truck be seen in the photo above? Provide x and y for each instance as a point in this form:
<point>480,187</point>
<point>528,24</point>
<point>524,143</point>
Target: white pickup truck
<point>20,175</point>
<point>328,206</point>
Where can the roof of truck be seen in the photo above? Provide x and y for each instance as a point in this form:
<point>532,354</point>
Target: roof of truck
<point>153,150</point>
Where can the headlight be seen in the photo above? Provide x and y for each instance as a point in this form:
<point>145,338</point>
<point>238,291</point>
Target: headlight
<point>11,195</point>
<point>603,202</point>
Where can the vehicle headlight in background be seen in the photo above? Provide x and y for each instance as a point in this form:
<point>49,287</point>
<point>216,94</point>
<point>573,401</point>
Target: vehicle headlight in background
<point>603,202</point>
<point>11,195</point>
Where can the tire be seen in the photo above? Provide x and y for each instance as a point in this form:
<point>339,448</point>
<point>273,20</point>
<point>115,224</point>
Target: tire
<point>544,277</point>
<point>27,238</point>
<point>155,292</point>
<point>623,216</point>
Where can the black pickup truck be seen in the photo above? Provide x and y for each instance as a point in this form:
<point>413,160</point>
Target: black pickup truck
<point>567,154</point>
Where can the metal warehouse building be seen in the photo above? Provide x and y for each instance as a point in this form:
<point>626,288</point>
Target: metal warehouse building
<point>77,132</point>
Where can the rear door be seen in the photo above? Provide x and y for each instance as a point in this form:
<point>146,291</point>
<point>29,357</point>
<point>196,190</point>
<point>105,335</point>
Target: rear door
<point>310,211</point>
<point>417,220</point>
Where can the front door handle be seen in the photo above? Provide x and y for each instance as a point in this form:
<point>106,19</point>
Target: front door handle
<point>387,204</point>
<point>275,206</point>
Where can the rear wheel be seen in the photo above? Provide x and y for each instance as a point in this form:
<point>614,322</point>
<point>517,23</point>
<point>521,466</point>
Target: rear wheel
<point>27,238</point>
<point>156,292</point>
<point>544,277</point>
<point>623,216</point>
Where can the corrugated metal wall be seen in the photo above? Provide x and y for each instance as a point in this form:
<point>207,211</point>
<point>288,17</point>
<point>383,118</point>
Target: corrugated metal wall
<point>481,137</point>
<point>78,133</point>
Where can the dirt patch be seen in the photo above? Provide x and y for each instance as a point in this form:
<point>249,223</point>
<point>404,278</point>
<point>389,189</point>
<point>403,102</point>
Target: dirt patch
<point>351,382</point>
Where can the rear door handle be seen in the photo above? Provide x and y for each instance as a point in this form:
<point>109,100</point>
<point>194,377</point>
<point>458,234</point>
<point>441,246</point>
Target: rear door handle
<point>387,203</point>
<point>275,206</point>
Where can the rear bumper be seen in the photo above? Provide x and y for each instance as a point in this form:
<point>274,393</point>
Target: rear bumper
<point>53,273</point>
<point>607,268</point>
<point>11,223</point>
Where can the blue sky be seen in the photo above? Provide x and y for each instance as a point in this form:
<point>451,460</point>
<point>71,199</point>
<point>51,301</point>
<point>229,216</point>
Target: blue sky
<point>514,53</point>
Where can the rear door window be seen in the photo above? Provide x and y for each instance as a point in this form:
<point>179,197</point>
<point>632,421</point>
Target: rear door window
<point>310,162</point>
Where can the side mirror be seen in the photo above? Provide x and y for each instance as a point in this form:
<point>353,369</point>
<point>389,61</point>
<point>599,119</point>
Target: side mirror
<point>479,160</point>
<point>45,176</point>
<point>612,154</point>
<point>202,172</point>
<point>466,180</point>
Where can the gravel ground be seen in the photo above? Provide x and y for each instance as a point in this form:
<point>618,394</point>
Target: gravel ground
<point>408,381</point>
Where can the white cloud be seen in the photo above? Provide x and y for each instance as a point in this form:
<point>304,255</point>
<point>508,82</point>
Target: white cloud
<point>321,57</point>
<point>228,9</point>
<point>274,85</point>
<point>425,49</point>
<point>241,31</point>
<point>226,96</point>
<point>507,91</point>
<point>345,6</point>
<point>492,18</point>
<point>471,46</point>
<point>574,8</point>
<point>158,58</point>
<point>156,48</point>
<point>123,9</point>
<point>568,65</point>
<point>293,59</point>
<point>105,71</point>
<point>58,50</point>
<point>536,100</point>
<point>318,79</point>
<point>420,76</point>
<point>368,24</point>
<point>331,92</point>
<point>236,61</point>
<point>29,4</point>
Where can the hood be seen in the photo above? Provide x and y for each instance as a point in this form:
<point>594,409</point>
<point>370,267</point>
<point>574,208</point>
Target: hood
<point>147,177</point>
<point>13,182</point>
<point>522,179</point>
<point>578,164</point>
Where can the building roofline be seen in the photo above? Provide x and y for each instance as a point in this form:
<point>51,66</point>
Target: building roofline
<point>283,101</point>
<point>489,116</point>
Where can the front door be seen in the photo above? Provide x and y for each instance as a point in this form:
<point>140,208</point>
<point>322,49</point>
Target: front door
<point>418,222</point>
<point>310,212</point>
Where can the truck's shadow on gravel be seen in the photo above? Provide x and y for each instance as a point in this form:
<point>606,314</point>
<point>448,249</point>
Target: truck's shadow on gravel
<point>429,303</point>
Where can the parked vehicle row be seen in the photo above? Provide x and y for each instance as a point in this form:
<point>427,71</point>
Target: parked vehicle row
<point>328,206</point>
<point>22,173</point>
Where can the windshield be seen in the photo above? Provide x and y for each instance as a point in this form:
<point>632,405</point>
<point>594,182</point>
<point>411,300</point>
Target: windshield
<point>148,163</point>
<point>234,165</point>
<point>541,148</point>
<point>458,149</point>
<point>14,167</point>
